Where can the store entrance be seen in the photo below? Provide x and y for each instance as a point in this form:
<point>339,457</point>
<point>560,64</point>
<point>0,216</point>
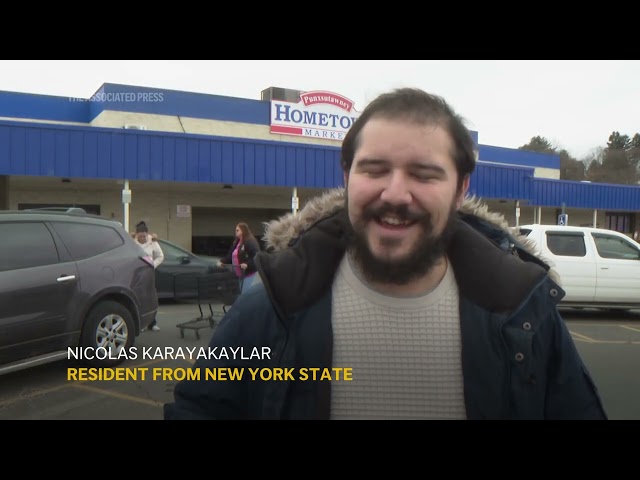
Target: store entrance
<point>213,228</point>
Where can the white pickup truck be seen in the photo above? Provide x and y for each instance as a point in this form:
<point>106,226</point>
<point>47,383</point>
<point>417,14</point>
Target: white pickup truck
<point>597,267</point>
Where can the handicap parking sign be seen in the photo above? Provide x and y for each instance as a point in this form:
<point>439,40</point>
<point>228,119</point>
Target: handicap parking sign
<point>563,219</point>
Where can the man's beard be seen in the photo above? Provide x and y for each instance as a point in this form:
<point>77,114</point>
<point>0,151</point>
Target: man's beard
<point>427,251</point>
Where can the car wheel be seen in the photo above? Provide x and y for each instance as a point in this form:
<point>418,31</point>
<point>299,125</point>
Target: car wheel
<point>109,330</point>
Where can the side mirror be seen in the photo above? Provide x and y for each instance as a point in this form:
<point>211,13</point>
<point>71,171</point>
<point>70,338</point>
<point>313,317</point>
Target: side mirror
<point>185,260</point>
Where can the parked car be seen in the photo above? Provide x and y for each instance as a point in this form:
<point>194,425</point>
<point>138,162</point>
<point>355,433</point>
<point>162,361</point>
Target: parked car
<point>597,267</point>
<point>68,279</point>
<point>175,277</point>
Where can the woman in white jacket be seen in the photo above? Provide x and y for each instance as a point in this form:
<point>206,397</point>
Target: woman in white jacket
<point>152,248</point>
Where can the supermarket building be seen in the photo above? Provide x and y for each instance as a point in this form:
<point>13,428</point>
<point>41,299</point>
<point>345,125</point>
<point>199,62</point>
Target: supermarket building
<point>192,165</point>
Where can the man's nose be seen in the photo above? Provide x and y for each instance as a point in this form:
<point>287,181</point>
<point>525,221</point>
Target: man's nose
<point>396,192</point>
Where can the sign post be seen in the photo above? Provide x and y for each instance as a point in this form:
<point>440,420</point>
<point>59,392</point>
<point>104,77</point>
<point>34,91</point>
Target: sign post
<point>563,219</point>
<point>126,200</point>
<point>295,201</point>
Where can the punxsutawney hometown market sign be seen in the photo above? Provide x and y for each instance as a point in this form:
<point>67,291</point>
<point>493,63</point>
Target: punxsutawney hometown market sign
<point>318,114</point>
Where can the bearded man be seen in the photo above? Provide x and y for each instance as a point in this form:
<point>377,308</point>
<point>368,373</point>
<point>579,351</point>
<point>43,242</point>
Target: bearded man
<point>437,309</point>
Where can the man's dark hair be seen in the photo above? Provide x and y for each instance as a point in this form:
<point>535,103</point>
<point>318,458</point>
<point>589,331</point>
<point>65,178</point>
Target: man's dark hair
<point>420,107</point>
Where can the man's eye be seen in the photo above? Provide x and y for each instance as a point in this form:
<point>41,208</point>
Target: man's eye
<point>424,178</point>
<point>375,172</point>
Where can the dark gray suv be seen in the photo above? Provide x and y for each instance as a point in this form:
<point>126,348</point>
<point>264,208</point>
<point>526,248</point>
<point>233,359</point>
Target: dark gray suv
<point>70,280</point>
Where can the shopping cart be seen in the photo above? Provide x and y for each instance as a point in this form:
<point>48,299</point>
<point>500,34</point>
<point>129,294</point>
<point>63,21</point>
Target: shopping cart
<point>219,286</point>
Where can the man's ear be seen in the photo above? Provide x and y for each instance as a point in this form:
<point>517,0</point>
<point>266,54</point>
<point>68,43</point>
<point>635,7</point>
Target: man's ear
<point>464,188</point>
<point>345,176</point>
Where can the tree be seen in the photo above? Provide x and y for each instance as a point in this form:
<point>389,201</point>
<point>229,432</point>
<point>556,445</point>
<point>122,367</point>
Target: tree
<point>595,172</point>
<point>618,142</point>
<point>570,168</point>
<point>634,153</point>
<point>618,168</point>
<point>539,144</point>
<point>620,158</point>
<point>618,162</point>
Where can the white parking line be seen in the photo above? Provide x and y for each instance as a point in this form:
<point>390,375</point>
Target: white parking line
<point>630,328</point>
<point>584,338</point>
<point>598,324</point>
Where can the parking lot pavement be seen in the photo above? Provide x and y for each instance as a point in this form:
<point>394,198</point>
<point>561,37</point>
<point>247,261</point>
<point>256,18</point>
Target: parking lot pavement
<point>45,393</point>
<point>603,327</point>
<point>610,332</point>
<point>610,347</point>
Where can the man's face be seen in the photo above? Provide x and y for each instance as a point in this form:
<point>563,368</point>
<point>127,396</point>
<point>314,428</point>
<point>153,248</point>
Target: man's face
<point>401,197</point>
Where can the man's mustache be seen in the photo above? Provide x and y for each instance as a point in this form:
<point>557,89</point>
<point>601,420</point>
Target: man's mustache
<point>400,212</point>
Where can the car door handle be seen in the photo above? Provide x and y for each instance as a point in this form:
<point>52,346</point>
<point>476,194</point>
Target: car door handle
<point>66,278</point>
<point>604,268</point>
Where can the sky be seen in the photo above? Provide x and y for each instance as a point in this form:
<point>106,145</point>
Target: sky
<point>575,104</point>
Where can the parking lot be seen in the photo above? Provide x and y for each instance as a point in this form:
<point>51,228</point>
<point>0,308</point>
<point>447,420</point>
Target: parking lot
<point>45,393</point>
<point>609,345</point>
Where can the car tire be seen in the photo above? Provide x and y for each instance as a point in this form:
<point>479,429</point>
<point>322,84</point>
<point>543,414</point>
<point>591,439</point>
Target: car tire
<point>108,330</point>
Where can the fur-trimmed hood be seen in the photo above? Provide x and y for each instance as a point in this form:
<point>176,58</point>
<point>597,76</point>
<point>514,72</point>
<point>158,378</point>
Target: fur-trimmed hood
<point>281,232</point>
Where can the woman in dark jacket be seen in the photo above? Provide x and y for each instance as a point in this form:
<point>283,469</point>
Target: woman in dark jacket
<point>242,254</point>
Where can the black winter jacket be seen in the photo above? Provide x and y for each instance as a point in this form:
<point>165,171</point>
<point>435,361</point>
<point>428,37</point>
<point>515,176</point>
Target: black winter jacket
<point>247,254</point>
<point>518,358</point>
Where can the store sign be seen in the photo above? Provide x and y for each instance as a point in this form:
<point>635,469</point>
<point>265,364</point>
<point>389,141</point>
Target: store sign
<point>318,114</point>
